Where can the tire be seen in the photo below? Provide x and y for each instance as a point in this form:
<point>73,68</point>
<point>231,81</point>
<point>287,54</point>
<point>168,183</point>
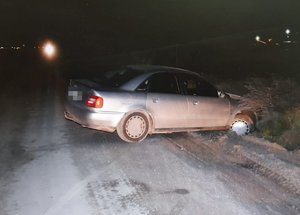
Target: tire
<point>133,128</point>
<point>242,125</point>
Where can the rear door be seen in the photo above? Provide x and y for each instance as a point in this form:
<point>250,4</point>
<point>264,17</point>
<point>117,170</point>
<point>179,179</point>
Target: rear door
<point>164,101</point>
<point>205,107</point>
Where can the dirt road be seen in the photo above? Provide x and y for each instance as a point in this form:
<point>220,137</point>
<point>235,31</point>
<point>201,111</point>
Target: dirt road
<point>51,166</point>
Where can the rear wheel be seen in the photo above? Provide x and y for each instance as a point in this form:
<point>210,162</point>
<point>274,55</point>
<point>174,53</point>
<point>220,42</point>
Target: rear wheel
<point>133,128</point>
<point>242,125</point>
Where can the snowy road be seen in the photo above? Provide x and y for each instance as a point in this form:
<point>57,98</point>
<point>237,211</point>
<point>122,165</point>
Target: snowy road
<point>51,166</point>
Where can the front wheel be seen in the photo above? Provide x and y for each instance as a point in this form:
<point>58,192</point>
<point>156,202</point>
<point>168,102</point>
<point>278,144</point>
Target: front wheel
<point>242,125</point>
<point>133,128</point>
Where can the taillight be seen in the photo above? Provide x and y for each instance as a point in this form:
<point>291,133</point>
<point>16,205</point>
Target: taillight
<point>94,101</point>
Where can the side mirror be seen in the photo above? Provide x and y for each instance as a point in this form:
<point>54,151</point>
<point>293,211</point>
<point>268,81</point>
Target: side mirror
<point>221,94</point>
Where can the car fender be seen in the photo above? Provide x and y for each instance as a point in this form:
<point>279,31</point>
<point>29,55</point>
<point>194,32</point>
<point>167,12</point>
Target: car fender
<point>250,114</point>
<point>146,113</point>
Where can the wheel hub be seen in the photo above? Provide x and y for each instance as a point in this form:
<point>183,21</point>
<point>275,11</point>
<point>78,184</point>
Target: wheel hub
<point>135,127</point>
<point>240,127</point>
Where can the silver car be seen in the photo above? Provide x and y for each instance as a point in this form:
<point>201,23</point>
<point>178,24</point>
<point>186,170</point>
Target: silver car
<point>142,99</point>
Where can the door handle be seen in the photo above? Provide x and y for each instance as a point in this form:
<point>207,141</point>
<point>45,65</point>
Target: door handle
<point>195,102</point>
<point>155,100</point>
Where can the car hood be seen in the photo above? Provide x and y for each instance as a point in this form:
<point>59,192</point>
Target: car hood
<point>235,101</point>
<point>234,96</point>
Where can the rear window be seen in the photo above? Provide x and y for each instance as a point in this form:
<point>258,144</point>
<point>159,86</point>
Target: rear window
<point>117,78</point>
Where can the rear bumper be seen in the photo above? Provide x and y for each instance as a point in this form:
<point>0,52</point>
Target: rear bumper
<point>104,121</point>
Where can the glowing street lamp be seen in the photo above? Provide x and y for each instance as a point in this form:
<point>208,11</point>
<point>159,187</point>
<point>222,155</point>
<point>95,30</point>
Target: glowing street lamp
<point>258,39</point>
<point>49,50</point>
<point>287,31</point>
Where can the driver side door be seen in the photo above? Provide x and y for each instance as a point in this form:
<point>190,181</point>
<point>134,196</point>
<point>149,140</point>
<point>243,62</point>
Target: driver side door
<point>205,108</point>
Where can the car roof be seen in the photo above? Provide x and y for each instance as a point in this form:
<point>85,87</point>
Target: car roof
<point>153,68</point>
<point>148,70</point>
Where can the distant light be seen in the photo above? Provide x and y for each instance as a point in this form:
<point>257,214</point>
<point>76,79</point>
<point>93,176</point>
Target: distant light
<point>49,49</point>
<point>257,38</point>
<point>287,31</point>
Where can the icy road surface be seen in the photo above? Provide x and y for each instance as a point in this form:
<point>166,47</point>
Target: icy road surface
<point>51,166</point>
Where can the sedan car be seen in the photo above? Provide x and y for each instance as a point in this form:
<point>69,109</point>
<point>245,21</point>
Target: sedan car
<point>142,99</point>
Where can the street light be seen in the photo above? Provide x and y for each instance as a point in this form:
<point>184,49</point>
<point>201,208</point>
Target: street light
<point>258,39</point>
<point>49,50</point>
<point>287,31</point>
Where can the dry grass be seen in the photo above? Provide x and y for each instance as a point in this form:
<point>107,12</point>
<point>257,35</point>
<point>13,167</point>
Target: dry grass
<point>278,104</point>
<point>265,96</point>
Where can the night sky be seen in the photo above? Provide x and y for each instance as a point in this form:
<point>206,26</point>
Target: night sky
<point>116,26</point>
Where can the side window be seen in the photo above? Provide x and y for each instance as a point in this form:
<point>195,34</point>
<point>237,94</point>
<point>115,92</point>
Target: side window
<point>143,87</point>
<point>193,85</point>
<point>190,86</point>
<point>160,83</point>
